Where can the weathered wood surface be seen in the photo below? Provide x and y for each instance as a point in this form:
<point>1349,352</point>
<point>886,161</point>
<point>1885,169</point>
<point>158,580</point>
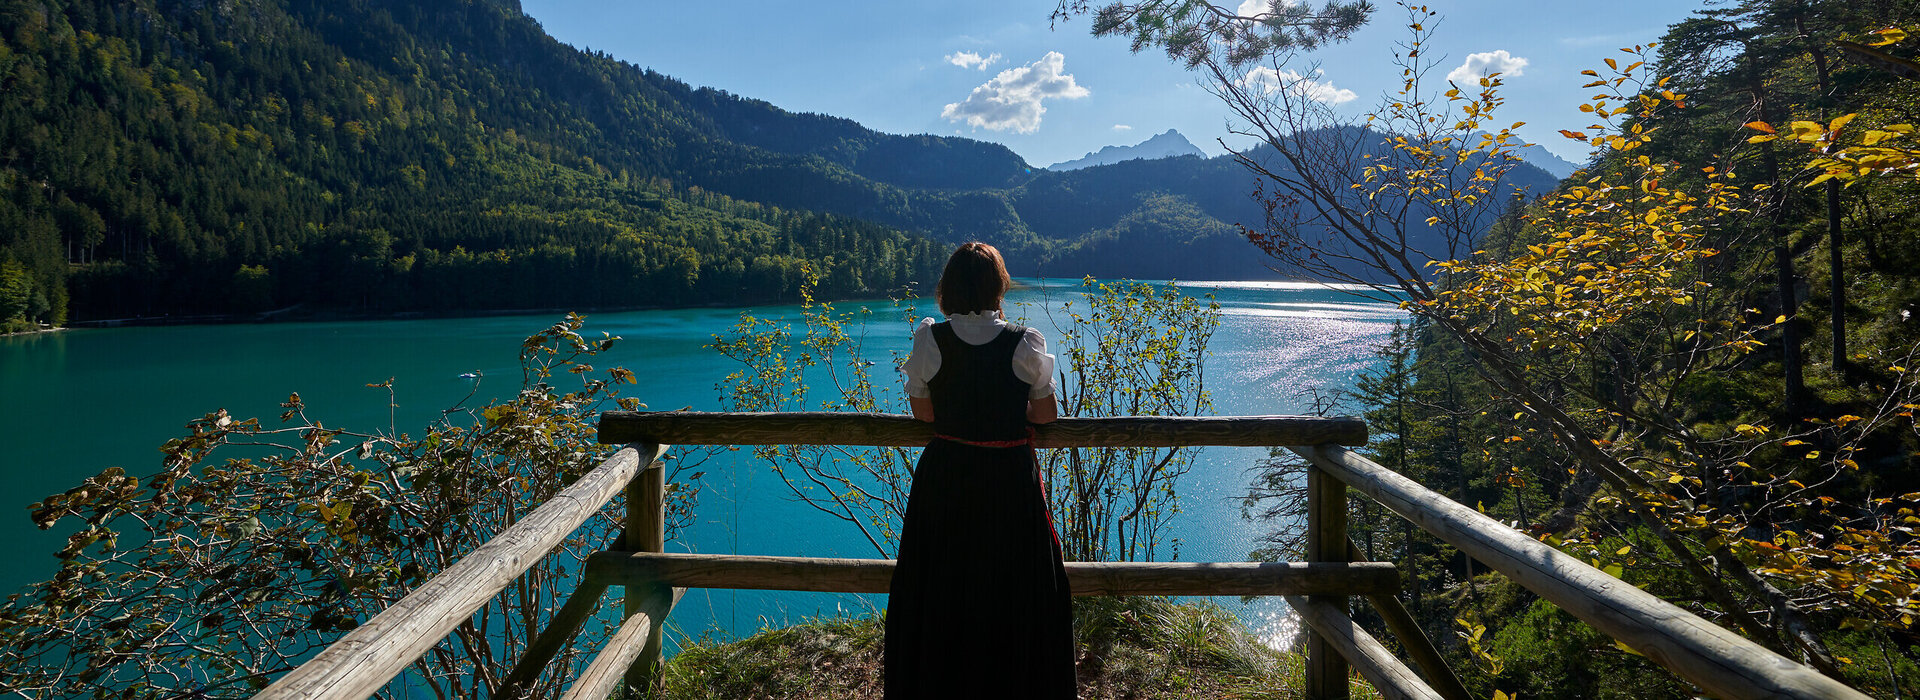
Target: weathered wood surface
<point>646,529</point>
<point>1326,664</point>
<point>1432,665</point>
<point>890,430</point>
<point>1714,658</point>
<point>646,532</point>
<point>608,670</point>
<point>365,659</point>
<point>1393,679</point>
<point>559,631</point>
<point>1228,578</point>
<point>1087,578</point>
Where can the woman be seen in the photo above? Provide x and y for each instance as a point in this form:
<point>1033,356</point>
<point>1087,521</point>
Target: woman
<point>979,605</point>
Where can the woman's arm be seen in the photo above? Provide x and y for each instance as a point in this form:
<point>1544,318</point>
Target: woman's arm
<point>1033,365</point>
<point>1040,410</point>
<point>922,363</point>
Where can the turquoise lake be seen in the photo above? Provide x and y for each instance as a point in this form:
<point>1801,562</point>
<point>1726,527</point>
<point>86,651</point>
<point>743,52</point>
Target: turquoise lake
<point>76,402</point>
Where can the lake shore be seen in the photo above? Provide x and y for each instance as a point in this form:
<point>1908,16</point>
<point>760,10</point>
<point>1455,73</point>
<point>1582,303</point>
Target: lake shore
<point>300,314</point>
<point>36,331</point>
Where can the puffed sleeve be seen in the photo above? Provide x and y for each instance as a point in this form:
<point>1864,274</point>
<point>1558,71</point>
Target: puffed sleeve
<point>1033,365</point>
<point>924,361</point>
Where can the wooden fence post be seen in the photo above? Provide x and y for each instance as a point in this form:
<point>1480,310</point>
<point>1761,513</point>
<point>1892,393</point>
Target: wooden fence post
<point>1326,541</point>
<point>646,532</point>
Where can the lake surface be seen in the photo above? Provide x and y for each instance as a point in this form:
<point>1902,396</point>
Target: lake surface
<point>76,402</point>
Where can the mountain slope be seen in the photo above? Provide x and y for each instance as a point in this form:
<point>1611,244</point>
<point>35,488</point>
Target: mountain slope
<point>175,156</point>
<point>172,157</point>
<point>1182,217</point>
<point>1539,157</point>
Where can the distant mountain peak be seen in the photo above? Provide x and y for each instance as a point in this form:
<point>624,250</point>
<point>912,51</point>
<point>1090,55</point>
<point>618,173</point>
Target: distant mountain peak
<point>1539,157</point>
<point>1167,144</point>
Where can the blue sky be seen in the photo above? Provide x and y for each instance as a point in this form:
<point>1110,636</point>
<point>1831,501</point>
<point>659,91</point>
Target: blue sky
<point>895,66</point>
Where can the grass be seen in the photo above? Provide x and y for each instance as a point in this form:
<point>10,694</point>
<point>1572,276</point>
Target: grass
<point>1131,648</point>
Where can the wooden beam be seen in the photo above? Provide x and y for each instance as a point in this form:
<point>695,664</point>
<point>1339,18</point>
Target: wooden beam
<point>1087,578</point>
<point>1432,665</point>
<point>1326,664</point>
<point>889,430</point>
<point>559,630</point>
<point>1391,678</point>
<point>608,670</point>
<point>646,532</point>
<point>364,660</point>
<point>1710,656</point>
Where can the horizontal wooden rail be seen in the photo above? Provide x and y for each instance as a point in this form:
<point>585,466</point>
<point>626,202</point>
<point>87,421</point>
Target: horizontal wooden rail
<point>1716,659</point>
<point>368,657</point>
<point>1391,678</point>
<point>1086,578</point>
<point>890,430</point>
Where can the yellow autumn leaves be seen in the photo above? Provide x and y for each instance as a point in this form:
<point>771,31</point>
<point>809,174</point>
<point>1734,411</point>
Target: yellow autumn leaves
<point>1614,247</point>
<point>1848,155</point>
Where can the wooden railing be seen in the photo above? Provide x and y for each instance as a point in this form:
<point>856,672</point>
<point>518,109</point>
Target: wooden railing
<point>652,581</point>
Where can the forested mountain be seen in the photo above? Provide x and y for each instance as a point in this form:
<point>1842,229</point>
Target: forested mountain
<point>169,157</point>
<point>1182,217</point>
<point>172,157</point>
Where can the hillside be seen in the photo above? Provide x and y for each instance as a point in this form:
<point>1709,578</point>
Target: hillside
<point>1182,217</point>
<point>173,157</point>
<point>1138,648</point>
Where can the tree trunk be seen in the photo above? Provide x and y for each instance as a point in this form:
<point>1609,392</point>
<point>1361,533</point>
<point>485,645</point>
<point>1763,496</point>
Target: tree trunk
<point>1836,273</point>
<point>1794,376</point>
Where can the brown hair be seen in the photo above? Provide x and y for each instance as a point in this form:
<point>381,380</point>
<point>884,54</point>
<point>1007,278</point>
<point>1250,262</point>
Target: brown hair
<point>975,279</point>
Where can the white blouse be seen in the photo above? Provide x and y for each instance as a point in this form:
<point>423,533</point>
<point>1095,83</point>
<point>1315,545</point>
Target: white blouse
<point>1031,363</point>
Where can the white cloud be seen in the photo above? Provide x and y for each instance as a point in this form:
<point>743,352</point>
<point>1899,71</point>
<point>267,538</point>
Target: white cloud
<point>1478,65</point>
<point>1255,8</point>
<point>1298,84</point>
<point>1123,128</point>
<point>1013,99</point>
<point>969,59</point>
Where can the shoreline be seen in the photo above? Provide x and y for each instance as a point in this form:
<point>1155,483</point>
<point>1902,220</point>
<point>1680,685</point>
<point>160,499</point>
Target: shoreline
<point>300,313</point>
<point>297,315</point>
<point>34,332</point>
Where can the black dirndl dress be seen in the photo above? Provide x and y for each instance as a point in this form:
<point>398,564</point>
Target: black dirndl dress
<point>979,606</point>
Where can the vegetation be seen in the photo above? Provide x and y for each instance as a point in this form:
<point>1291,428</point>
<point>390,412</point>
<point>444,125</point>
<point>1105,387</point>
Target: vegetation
<point>865,487</point>
<point>1196,32</point>
<point>1142,648</point>
<point>1129,349</point>
<point>1132,350</point>
<point>256,545</point>
<point>1618,367</point>
<point>169,157</point>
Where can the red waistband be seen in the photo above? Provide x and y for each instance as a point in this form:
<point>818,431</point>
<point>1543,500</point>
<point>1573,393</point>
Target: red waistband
<point>1022,442</point>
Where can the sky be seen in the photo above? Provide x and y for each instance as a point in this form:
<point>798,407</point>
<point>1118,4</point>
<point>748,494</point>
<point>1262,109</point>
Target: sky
<point>999,71</point>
